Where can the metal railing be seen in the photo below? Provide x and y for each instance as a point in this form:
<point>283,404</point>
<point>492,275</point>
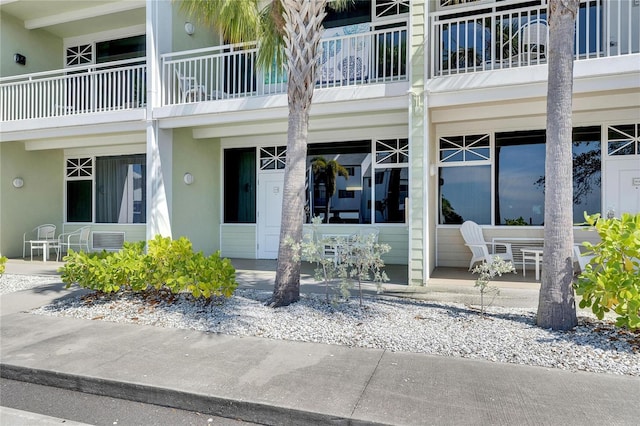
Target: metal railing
<point>110,86</point>
<point>230,71</point>
<point>514,33</point>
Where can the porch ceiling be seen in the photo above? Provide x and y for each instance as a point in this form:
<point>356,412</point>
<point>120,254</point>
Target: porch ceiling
<point>73,18</point>
<point>359,107</point>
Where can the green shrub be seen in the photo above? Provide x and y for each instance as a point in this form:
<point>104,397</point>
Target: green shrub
<point>3,261</point>
<point>611,280</point>
<point>170,264</point>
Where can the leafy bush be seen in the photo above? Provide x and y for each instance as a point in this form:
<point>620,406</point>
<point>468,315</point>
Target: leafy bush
<point>3,261</point>
<point>168,264</point>
<point>611,280</point>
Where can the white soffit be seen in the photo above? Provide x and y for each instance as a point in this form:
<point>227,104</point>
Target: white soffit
<point>336,122</point>
<point>86,141</point>
<point>72,131</point>
<point>84,13</point>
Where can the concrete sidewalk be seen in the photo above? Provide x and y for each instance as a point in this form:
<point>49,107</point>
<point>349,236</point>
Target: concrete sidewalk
<point>283,382</point>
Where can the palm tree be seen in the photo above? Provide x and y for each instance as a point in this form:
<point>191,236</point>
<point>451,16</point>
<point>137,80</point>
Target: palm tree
<point>288,31</point>
<point>328,171</point>
<point>556,305</point>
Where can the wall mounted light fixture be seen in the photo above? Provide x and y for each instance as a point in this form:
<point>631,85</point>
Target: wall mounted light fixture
<point>188,178</point>
<point>20,59</point>
<point>189,28</point>
<point>18,182</point>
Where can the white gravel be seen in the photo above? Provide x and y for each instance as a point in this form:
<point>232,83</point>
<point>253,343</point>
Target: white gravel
<point>448,329</point>
<point>10,283</point>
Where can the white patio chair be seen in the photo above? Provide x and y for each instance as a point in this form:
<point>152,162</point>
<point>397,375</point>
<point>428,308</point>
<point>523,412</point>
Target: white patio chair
<point>482,250</point>
<point>78,238</point>
<point>45,232</point>
<point>190,89</point>
<point>534,36</point>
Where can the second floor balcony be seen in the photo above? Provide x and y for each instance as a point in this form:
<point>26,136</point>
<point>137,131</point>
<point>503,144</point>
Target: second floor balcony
<point>230,71</point>
<point>112,86</point>
<point>479,35</point>
<point>219,73</point>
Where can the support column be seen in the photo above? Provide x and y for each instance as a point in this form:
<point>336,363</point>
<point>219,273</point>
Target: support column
<point>159,141</point>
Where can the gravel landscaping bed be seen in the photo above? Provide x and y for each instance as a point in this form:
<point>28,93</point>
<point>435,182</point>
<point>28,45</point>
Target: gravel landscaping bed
<point>447,329</point>
<point>10,283</point>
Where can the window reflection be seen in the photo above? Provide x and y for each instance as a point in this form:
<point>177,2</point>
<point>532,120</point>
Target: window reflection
<point>348,182</point>
<point>465,194</point>
<point>519,165</point>
<point>519,170</point>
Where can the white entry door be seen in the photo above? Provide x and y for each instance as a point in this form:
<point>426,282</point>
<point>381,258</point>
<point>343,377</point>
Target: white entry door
<point>270,185</point>
<point>622,190</point>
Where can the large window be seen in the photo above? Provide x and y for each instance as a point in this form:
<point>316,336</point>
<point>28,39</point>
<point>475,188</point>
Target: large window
<point>349,182</point>
<point>352,182</point>
<point>516,166</point>
<point>116,185</point>
<point>519,170</point>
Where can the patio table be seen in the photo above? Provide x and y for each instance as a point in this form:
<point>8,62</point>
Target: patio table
<point>531,253</point>
<point>44,245</point>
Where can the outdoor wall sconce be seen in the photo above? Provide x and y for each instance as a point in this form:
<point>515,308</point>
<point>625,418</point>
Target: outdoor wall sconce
<point>20,59</point>
<point>432,170</point>
<point>189,28</point>
<point>18,182</point>
<point>188,178</point>
<point>416,100</point>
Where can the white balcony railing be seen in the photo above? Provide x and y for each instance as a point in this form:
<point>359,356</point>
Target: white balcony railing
<point>228,72</point>
<point>486,35</point>
<point>86,89</point>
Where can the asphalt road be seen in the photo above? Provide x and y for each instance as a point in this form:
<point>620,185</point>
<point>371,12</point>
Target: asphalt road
<point>99,410</point>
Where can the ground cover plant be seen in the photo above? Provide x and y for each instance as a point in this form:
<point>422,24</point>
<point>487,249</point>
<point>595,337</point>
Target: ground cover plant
<point>3,261</point>
<point>167,265</point>
<point>611,280</point>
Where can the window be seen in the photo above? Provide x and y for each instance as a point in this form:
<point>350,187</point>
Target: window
<point>519,166</point>
<point>273,158</point>
<point>465,194</point>
<point>121,49</point>
<point>623,140</point>
<point>356,12</point>
<point>79,55</point>
<point>354,198</point>
<point>516,165</point>
<point>116,185</point>
<point>240,185</point>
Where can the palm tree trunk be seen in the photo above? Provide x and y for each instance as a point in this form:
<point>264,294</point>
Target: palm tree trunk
<point>556,305</point>
<point>303,30</point>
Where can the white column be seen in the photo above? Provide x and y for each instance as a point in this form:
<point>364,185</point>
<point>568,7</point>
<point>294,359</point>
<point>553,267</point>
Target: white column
<point>159,142</point>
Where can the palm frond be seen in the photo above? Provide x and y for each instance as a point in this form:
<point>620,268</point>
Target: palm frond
<point>237,20</point>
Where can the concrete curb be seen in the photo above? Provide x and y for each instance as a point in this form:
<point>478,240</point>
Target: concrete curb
<point>207,404</point>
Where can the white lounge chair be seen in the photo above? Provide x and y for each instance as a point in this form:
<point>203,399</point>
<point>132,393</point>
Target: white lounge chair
<point>481,250</point>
